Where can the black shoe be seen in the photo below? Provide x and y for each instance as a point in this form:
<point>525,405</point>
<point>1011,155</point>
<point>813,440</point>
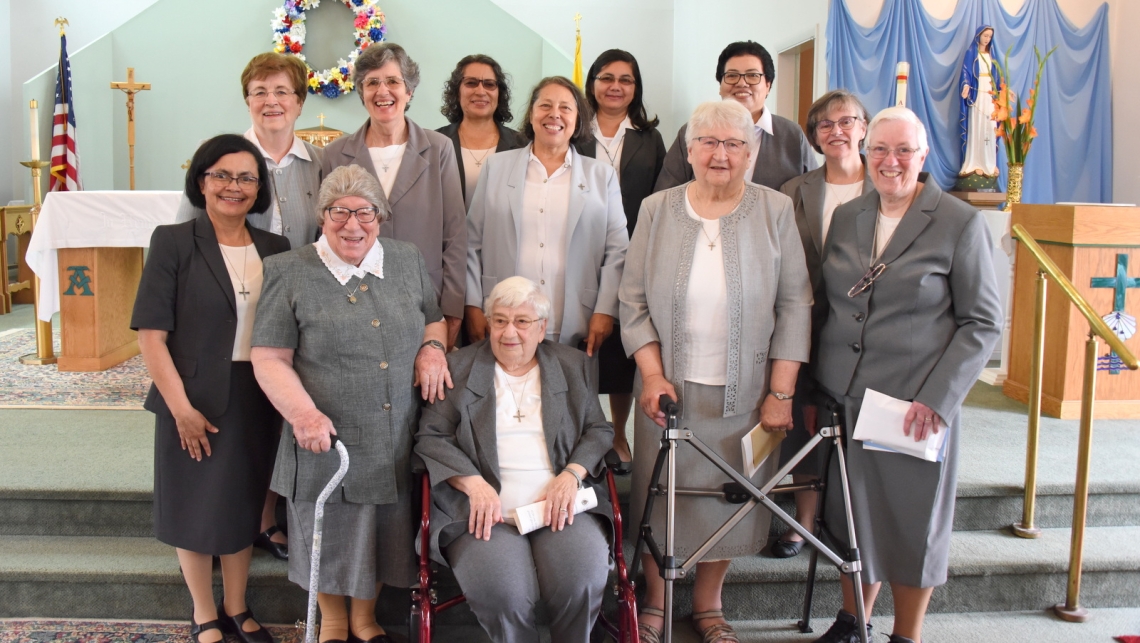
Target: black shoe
<point>843,630</point>
<point>264,541</point>
<point>786,549</point>
<point>196,629</point>
<point>895,638</point>
<point>233,625</point>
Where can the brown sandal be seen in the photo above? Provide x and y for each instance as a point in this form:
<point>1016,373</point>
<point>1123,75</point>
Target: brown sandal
<point>647,633</point>
<point>717,632</point>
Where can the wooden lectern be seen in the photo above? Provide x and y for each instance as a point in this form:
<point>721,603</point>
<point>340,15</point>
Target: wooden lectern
<point>97,297</point>
<point>1098,249</point>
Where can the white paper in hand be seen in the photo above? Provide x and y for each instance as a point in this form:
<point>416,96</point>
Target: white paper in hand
<point>529,517</point>
<point>880,428</point>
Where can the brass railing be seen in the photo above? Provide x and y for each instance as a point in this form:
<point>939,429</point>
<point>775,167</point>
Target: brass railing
<point>1070,610</point>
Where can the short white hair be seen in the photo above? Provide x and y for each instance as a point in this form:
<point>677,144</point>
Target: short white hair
<point>721,113</point>
<point>517,291</point>
<point>899,114</point>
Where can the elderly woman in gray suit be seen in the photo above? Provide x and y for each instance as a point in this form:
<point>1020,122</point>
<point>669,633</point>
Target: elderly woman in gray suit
<point>549,214</point>
<point>522,426</point>
<point>837,125</point>
<point>417,169</point>
<point>346,328</point>
<point>913,313</point>
<point>715,309</point>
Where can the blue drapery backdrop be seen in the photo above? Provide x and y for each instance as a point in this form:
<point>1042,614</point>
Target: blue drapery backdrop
<point>1071,159</point>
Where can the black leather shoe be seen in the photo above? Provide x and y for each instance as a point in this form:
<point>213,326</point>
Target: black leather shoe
<point>895,638</point>
<point>233,625</point>
<point>196,629</point>
<point>786,549</point>
<point>264,541</point>
<point>843,630</point>
<point>382,638</point>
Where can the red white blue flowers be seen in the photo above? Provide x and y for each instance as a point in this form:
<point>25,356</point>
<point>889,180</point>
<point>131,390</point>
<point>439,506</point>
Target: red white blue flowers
<point>289,38</point>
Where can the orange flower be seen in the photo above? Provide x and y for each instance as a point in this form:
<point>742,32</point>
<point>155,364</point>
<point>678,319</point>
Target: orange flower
<point>1000,112</point>
<point>1032,132</point>
<point>1025,116</point>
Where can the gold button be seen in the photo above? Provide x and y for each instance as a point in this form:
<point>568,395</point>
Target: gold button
<point>383,366</point>
<point>363,287</point>
<point>376,323</point>
<point>387,407</point>
<point>542,245</point>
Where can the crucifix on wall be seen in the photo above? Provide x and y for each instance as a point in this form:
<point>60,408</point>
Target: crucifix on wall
<point>131,88</point>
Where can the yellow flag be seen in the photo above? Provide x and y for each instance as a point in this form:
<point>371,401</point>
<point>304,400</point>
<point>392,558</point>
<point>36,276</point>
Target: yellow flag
<point>578,76</point>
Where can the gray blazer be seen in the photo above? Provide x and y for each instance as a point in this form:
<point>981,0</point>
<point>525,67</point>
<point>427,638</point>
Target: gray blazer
<point>596,230</point>
<point>426,204</point>
<point>294,188</point>
<point>783,154</point>
<point>926,327</point>
<point>457,434</point>
<point>357,362</point>
<point>769,300</point>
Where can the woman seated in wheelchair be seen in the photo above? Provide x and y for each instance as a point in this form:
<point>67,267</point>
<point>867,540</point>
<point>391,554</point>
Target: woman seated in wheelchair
<point>522,425</point>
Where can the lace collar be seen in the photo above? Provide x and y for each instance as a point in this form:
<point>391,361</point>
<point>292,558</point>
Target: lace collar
<point>373,262</point>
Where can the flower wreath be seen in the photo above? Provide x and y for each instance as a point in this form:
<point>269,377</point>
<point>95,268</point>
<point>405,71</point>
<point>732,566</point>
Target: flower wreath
<point>289,38</point>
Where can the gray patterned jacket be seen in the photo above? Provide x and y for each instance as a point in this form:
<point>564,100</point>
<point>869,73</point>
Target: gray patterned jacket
<point>769,297</point>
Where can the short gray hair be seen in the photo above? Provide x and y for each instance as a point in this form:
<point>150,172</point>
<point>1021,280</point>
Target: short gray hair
<point>517,291</point>
<point>899,114</point>
<point>351,180</point>
<point>722,113</point>
<point>380,54</point>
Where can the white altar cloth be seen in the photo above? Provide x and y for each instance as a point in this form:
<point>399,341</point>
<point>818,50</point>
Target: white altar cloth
<point>96,219</point>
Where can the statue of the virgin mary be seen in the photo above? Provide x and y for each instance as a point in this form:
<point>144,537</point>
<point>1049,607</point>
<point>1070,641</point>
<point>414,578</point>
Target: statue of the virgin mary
<point>976,107</point>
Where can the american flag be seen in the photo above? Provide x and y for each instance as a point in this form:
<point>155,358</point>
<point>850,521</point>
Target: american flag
<point>64,157</point>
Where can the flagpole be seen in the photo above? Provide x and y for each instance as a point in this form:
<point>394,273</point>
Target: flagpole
<point>45,352</point>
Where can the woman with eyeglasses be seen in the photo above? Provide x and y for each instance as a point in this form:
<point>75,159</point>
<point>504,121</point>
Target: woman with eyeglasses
<point>215,430</point>
<point>913,312</point>
<point>628,141</point>
<point>477,104</point>
<point>745,73</point>
<point>347,327</point>
<point>416,169</point>
<point>715,309</point>
<point>837,124</point>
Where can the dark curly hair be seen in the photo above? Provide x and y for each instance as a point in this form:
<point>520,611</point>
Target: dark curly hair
<point>747,48</point>
<point>582,131</point>
<point>637,116</point>
<point>451,110</point>
<point>209,153</point>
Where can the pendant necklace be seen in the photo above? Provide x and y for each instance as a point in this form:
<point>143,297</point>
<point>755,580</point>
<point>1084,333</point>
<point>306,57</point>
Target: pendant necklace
<point>386,162</point>
<point>478,160</point>
<point>712,240</point>
<point>519,415</point>
<point>244,292</point>
<point>352,295</point>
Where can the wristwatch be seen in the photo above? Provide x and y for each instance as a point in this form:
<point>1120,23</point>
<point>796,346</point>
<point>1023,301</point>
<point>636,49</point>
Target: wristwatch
<point>434,343</point>
<point>779,396</point>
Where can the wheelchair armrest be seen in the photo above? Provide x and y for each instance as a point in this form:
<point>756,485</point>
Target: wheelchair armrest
<point>418,465</point>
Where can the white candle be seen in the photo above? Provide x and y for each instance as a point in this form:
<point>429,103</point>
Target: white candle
<point>35,131</point>
<point>902,73</point>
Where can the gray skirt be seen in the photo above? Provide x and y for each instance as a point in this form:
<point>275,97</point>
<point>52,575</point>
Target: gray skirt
<point>361,545</point>
<point>698,517</point>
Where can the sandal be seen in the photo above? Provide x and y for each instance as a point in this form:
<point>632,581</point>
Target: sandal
<point>647,633</point>
<point>717,632</point>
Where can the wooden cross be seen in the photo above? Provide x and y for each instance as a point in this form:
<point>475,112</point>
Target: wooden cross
<point>131,88</point>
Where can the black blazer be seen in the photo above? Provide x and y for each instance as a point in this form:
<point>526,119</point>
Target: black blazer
<point>642,156</point>
<point>509,139</point>
<point>186,290</point>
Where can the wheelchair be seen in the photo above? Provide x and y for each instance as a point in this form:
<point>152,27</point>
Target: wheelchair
<point>426,604</point>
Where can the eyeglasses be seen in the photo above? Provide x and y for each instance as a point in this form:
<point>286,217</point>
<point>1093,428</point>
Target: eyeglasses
<point>866,280</point>
<point>364,215</point>
<point>391,82</point>
<point>280,94</point>
<point>625,81</point>
<point>521,323</point>
<point>879,152</point>
<point>845,123</point>
<point>733,77</point>
<point>709,144</point>
<point>489,84</point>
<point>222,180</point>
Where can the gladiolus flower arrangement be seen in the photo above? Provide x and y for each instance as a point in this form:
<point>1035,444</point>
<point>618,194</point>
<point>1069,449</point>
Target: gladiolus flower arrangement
<point>1015,121</point>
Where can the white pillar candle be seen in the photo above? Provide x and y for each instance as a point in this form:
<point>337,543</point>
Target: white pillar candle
<point>902,72</point>
<point>35,131</point>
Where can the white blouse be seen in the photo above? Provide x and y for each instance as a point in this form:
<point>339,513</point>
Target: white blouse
<point>706,307</point>
<point>610,147</point>
<point>244,265</point>
<point>834,196</point>
<point>389,157</point>
<point>544,238</point>
<point>524,461</point>
<point>473,161</point>
<point>884,229</point>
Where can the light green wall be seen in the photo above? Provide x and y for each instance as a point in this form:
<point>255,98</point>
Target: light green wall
<point>196,91</point>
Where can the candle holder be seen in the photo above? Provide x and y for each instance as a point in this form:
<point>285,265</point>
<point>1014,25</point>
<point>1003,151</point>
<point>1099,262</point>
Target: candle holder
<point>45,352</point>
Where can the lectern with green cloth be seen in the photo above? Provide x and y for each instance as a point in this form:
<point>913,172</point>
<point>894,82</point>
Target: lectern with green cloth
<point>1098,249</point>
